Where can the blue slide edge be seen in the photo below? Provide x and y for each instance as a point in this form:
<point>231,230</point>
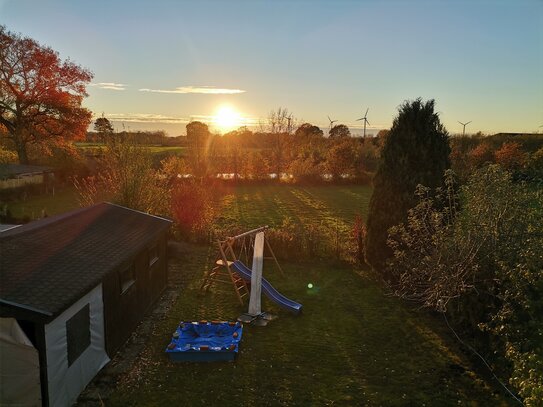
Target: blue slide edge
<point>268,289</point>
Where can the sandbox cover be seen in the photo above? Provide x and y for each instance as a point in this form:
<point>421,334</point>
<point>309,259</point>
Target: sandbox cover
<point>205,341</point>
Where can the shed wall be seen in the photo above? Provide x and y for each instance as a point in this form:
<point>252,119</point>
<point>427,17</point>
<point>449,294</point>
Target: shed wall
<point>67,381</point>
<point>124,310</point>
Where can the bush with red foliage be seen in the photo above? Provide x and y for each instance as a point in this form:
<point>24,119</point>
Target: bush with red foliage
<point>510,156</point>
<point>192,210</point>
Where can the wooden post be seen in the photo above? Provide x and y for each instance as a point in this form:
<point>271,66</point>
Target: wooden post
<point>256,276</point>
<point>273,255</point>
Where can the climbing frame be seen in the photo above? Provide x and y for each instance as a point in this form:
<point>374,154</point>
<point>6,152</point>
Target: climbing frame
<point>222,271</point>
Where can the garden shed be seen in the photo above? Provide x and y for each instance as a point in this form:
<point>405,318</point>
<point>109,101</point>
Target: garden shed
<point>18,175</point>
<point>74,287</point>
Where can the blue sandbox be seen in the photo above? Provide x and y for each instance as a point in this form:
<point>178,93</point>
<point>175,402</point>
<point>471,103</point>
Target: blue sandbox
<point>205,341</point>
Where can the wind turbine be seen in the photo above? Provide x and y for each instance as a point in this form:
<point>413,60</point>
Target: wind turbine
<point>331,122</point>
<point>365,119</point>
<point>464,129</point>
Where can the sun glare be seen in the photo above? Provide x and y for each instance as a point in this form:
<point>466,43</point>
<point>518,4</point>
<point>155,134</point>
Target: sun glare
<point>227,118</point>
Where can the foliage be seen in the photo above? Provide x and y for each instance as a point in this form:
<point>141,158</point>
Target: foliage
<point>339,131</point>
<point>416,151</point>
<point>534,166</point>
<point>192,210</point>
<point>235,160</point>
<point>368,156</point>
<point>64,158</point>
<point>125,177</point>
<point>483,265</point>
<point>341,159</point>
<point>276,153</point>
<point>40,95</point>
<point>281,122</point>
<point>7,156</point>
<point>198,138</point>
<point>103,127</point>
<point>459,158</point>
<point>173,168</point>
<point>428,270</point>
<point>306,169</point>
<point>258,166</point>
<point>481,155</point>
<point>510,156</point>
<point>307,131</point>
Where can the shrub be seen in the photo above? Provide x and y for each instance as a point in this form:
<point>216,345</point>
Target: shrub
<point>510,156</point>
<point>192,210</point>
<point>416,151</point>
<point>125,177</point>
<point>483,265</point>
<point>481,155</point>
<point>306,170</point>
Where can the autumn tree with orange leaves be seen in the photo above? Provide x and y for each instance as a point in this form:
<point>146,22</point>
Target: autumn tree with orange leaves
<point>40,95</point>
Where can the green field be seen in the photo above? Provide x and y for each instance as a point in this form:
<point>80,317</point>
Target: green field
<point>243,206</point>
<point>253,206</point>
<point>152,149</point>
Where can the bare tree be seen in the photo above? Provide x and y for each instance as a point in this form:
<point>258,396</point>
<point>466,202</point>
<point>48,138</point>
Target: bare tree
<point>281,121</point>
<point>281,124</point>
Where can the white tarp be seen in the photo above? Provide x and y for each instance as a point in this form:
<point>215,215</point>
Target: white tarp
<point>67,382</point>
<point>19,367</point>
<point>256,276</point>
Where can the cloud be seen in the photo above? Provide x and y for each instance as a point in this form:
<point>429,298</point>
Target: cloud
<point>208,90</point>
<point>109,85</point>
<point>360,125</point>
<point>243,121</point>
<point>146,118</point>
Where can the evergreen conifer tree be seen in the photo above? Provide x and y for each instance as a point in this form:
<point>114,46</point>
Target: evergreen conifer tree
<point>416,151</point>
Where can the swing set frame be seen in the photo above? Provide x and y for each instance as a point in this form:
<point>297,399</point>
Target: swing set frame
<point>222,271</point>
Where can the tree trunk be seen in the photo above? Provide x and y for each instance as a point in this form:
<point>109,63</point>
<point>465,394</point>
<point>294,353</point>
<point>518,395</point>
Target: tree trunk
<point>20,146</point>
<point>23,156</point>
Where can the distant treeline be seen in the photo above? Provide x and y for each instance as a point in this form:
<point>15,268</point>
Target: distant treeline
<point>305,155</point>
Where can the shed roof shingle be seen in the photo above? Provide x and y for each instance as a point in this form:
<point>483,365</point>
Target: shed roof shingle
<point>49,264</point>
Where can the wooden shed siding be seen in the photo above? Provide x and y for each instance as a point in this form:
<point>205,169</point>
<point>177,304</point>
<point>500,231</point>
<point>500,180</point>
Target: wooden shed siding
<point>124,311</point>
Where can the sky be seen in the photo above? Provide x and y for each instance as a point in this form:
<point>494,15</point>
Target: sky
<point>159,64</point>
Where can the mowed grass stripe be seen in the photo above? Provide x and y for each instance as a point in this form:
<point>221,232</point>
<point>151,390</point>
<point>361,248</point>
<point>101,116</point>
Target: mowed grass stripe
<point>251,206</point>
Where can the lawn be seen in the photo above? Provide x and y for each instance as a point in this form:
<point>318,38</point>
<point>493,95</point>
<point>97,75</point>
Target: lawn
<point>352,345</point>
<point>35,207</point>
<point>251,206</point>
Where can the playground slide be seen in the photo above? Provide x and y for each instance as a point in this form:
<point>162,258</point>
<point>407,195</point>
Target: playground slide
<point>268,289</point>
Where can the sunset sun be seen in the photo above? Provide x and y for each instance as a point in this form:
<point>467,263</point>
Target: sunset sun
<point>227,118</point>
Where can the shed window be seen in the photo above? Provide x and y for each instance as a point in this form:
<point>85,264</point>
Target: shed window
<point>153,254</point>
<point>78,334</point>
<point>127,277</point>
